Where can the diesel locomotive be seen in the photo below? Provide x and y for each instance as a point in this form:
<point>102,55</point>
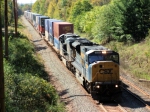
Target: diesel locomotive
<point>94,66</point>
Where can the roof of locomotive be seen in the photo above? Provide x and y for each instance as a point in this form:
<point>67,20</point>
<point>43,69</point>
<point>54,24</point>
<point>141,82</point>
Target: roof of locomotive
<point>36,14</point>
<point>69,35</point>
<point>44,17</point>
<point>82,42</point>
<point>98,49</point>
<point>95,47</point>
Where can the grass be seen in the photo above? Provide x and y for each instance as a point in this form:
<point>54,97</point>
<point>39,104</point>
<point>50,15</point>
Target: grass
<point>134,58</point>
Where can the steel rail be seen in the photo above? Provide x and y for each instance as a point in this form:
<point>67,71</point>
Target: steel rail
<point>140,90</point>
<point>107,108</point>
<point>141,100</point>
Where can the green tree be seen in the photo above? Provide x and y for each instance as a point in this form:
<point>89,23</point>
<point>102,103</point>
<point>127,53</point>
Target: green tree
<point>136,17</point>
<point>106,23</point>
<point>23,7</point>
<point>53,9</point>
<point>87,22</point>
<point>2,96</point>
<point>36,7</point>
<point>80,7</point>
<point>78,11</point>
<point>10,12</point>
<point>123,20</point>
<point>99,2</point>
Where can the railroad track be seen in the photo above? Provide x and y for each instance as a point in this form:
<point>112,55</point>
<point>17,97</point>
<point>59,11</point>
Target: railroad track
<point>112,108</point>
<point>143,97</point>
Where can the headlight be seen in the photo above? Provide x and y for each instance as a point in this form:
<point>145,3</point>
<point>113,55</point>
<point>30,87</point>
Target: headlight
<point>98,86</point>
<point>116,86</point>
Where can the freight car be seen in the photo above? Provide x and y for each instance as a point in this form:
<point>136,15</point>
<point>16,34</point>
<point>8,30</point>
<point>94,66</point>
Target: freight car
<point>51,31</point>
<point>95,67</point>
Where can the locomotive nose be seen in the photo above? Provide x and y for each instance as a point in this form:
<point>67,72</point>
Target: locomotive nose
<point>106,71</point>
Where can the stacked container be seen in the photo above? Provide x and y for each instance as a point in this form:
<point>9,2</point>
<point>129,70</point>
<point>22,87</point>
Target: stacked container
<point>47,29</point>
<point>37,25</point>
<point>61,28</point>
<point>34,19</point>
<point>51,30</point>
<point>42,24</point>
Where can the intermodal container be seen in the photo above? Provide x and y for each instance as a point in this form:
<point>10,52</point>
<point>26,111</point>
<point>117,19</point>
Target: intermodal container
<point>37,23</point>
<point>56,43</point>
<point>42,24</point>
<point>51,30</point>
<point>46,29</point>
<point>62,28</point>
<point>34,19</point>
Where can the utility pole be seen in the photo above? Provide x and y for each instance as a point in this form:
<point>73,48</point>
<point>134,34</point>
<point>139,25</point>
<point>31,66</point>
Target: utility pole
<point>2,96</point>
<point>6,29</point>
<point>15,16</point>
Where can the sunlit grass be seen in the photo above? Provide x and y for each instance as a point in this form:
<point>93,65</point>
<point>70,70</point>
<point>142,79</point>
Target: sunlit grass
<point>134,58</point>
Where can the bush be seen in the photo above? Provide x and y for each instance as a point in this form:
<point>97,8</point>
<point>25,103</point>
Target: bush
<point>25,86</point>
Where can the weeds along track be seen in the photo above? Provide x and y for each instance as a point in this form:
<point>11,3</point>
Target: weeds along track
<point>136,92</point>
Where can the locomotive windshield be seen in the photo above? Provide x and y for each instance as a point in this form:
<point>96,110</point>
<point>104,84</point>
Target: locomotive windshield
<point>103,57</point>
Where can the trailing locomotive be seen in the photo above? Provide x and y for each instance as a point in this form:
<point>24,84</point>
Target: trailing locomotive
<point>95,67</point>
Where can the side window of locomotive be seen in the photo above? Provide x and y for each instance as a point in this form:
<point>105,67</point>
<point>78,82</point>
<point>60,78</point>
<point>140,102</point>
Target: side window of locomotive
<point>115,58</point>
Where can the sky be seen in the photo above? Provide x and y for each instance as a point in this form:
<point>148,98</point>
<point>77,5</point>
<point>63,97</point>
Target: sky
<point>25,1</point>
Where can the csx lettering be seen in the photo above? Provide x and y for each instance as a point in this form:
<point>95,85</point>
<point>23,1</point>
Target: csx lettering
<point>105,71</point>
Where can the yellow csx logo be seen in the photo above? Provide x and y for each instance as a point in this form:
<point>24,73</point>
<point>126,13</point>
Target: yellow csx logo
<point>105,71</point>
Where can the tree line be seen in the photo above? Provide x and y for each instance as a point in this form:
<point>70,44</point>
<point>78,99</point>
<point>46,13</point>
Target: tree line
<point>10,12</point>
<point>101,20</point>
<point>6,18</point>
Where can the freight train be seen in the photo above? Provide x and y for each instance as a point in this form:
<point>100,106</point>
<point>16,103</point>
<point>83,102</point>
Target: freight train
<point>94,66</point>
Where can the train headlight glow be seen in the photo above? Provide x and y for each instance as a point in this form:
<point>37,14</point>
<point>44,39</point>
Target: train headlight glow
<point>104,52</point>
<point>116,86</point>
<point>98,86</point>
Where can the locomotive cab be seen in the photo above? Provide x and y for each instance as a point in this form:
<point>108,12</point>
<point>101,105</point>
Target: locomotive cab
<point>102,72</point>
